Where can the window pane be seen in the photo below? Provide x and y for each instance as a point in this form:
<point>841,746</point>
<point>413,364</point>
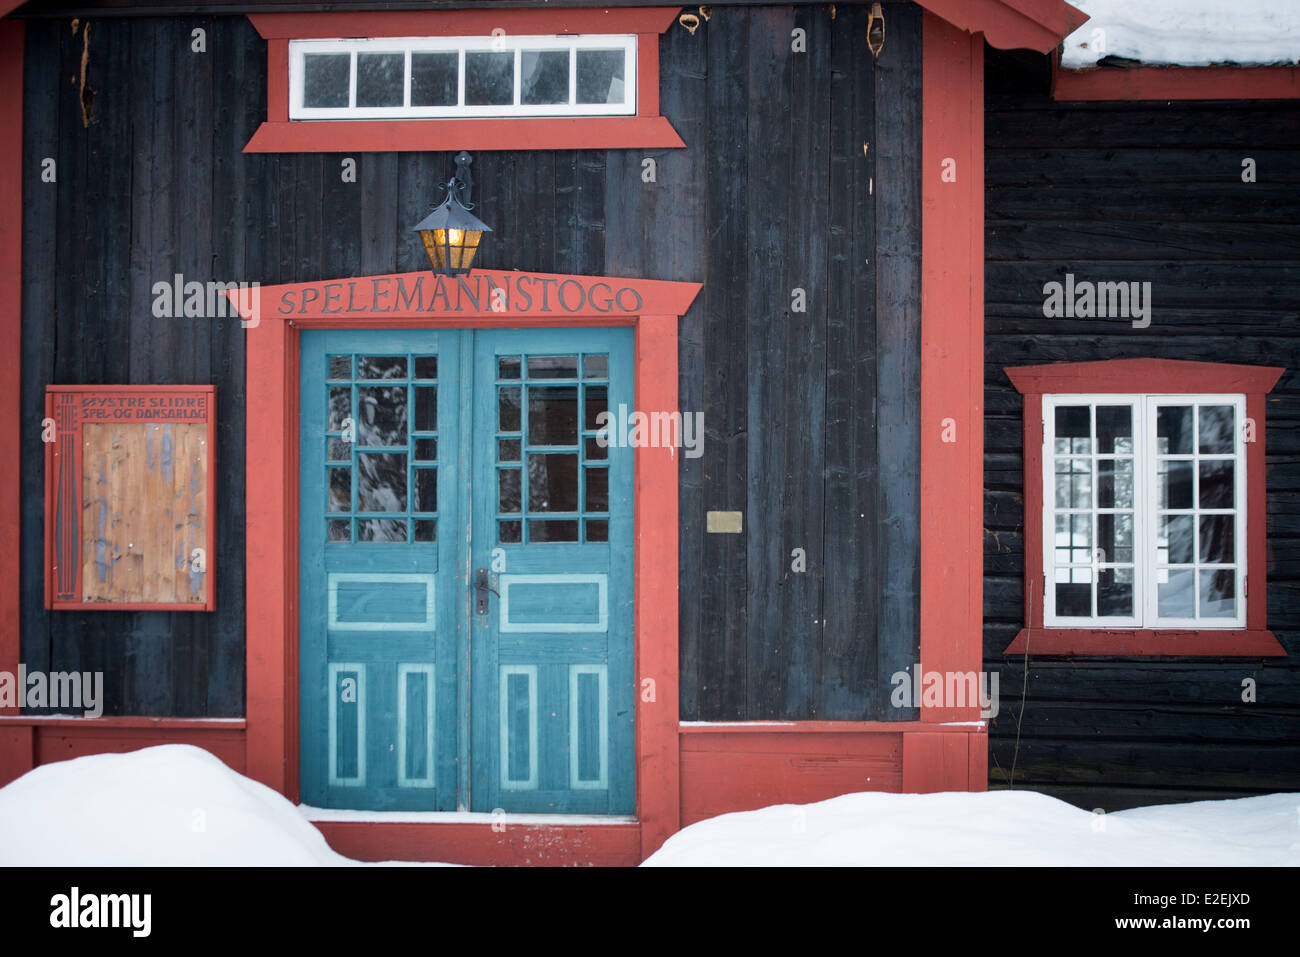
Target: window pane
<point>507,367</point>
<point>552,367</point>
<point>1073,428</point>
<point>434,79</point>
<point>340,490</point>
<point>340,530</point>
<point>1115,538</point>
<point>340,367</point>
<point>1174,593</point>
<point>1073,483</point>
<point>381,530</point>
<point>1115,593</point>
<point>426,450</point>
<point>380,77</point>
<point>1114,429</point>
<point>340,406</point>
<point>1073,539</point>
<point>1174,544</point>
<point>508,494</point>
<point>1216,483</point>
<point>1218,594</point>
<point>1217,545</point>
<point>597,530</point>
<point>1174,430</point>
<point>426,530</point>
<point>508,409</point>
<point>596,366</point>
<point>339,451</point>
<point>1074,600</point>
<point>1216,429</point>
<point>508,450</point>
<point>489,78</point>
<point>426,367</point>
<point>553,531</point>
<point>426,490</point>
<point>597,402</point>
<point>1174,484</point>
<point>544,76</point>
<point>597,490</point>
<point>1115,483</point>
<point>600,76</point>
<point>426,408</point>
<point>325,79</point>
<point>510,532</point>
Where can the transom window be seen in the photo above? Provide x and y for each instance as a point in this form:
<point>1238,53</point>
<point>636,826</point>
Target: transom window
<point>480,76</point>
<point>1144,517</point>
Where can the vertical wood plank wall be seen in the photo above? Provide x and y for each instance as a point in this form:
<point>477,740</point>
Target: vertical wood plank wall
<point>1141,192</point>
<point>811,416</point>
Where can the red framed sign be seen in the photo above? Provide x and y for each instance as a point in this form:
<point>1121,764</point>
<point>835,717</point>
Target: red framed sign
<point>130,497</point>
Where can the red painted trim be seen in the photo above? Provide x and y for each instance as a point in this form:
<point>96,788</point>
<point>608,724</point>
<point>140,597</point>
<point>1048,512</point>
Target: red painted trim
<point>1177,83</point>
<point>121,722</point>
<point>72,528</point>
<point>558,133</point>
<point>646,130</point>
<point>821,728</point>
<point>271,370</point>
<point>952,350</point>
<point>271,600</point>
<point>1035,24</point>
<point>1203,643</point>
<point>655,501</point>
<point>459,23</point>
<point>541,845</point>
<point>1152,376</point>
<point>277,86</point>
<point>11,329</point>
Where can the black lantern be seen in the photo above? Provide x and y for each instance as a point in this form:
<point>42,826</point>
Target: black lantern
<point>451,233</point>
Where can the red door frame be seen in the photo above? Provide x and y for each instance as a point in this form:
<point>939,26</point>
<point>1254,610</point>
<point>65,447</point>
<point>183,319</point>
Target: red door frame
<point>652,308</point>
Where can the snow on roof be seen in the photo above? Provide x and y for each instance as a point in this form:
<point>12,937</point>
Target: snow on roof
<point>994,828</point>
<point>1186,32</point>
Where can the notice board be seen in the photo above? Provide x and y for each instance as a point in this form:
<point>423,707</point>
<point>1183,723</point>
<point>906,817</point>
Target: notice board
<point>130,499</point>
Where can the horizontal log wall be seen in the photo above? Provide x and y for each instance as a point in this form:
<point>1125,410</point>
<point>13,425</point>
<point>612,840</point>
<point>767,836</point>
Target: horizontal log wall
<point>811,416</point>
<point>1141,192</point>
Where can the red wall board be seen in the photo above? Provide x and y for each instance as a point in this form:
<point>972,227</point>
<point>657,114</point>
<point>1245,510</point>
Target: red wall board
<point>17,751</point>
<point>723,772</point>
<point>551,845</point>
<point>1177,83</point>
<point>939,762</point>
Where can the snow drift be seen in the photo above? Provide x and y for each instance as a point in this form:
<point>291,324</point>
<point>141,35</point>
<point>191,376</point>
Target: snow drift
<point>995,828</point>
<point>170,805</point>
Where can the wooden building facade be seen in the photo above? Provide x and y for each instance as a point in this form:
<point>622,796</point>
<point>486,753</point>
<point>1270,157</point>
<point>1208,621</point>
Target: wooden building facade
<point>785,231</point>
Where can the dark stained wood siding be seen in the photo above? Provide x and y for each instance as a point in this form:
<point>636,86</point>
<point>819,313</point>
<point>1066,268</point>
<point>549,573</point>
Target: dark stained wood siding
<point>1141,192</point>
<point>773,193</point>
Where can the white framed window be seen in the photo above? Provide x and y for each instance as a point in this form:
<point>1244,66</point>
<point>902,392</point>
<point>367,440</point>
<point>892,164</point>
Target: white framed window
<point>1144,517</point>
<point>462,77</point>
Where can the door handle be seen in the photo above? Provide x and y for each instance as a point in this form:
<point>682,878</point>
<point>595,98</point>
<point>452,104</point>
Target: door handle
<point>482,586</point>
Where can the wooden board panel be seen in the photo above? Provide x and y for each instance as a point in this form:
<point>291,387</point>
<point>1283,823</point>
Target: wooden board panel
<point>144,503</point>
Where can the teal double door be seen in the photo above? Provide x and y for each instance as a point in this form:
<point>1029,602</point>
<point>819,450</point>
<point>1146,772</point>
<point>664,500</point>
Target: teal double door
<point>465,620</point>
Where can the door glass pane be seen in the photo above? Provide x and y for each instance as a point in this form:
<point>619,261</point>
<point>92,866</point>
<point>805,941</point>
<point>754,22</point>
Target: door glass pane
<point>552,367</point>
<point>596,366</point>
<point>426,408</point>
<point>597,490</point>
<point>600,76</point>
<point>426,450</point>
<point>381,367</point>
<point>340,406</point>
<point>508,450</point>
<point>426,367</point>
<point>544,75</point>
<point>508,367</point>
<point>340,496</point>
<point>380,78</point>
<point>381,482</point>
<point>508,409</point>
<point>508,491</point>
<point>340,530</point>
<point>597,401</point>
<point>426,530</point>
<point>325,79</point>
<point>383,416</point>
<point>553,484</point>
<point>426,490</point>
<point>340,367</point>
<point>434,78</point>
<point>1174,592</point>
<point>381,530</point>
<point>553,415</point>
<point>552,531</point>
<point>489,78</point>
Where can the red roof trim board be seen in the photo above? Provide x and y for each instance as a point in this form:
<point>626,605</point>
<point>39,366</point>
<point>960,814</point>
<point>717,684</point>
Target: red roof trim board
<point>1008,24</point>
<point>1151,376</point>
<point>1177,83</point>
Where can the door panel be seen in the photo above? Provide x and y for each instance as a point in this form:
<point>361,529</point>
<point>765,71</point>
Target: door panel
<point>379,518</point>
<point>552,655</point>
<point>466,560</point>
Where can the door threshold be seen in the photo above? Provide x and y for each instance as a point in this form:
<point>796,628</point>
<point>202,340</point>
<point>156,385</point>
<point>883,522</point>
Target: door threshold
<point>462,817</point>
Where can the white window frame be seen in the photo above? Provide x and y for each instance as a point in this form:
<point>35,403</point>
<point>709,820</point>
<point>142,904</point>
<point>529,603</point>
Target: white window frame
<point>298,49</point>
<point>1145,513</point>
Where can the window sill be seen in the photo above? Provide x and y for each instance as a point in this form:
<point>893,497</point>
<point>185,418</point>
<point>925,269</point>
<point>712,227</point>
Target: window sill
<point>374,136</point>
<point>1205,643</point>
